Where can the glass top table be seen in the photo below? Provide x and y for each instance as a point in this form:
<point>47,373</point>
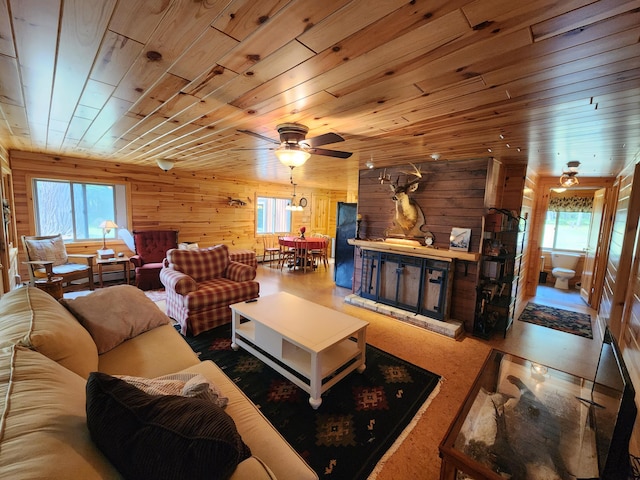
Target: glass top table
<point>523,420</point>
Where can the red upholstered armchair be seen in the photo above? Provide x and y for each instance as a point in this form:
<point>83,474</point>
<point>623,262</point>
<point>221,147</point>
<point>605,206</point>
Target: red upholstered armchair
<point>151,249</point>
<point>201,284</point>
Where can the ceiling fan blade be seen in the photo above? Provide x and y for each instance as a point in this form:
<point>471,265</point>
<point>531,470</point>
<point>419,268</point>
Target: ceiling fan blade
<point>329,153</point>
<point>250,149</point>
<point>324,139</point>
<point>257,135</point>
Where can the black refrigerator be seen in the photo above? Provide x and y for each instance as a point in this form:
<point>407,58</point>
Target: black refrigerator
<point>345,229</point>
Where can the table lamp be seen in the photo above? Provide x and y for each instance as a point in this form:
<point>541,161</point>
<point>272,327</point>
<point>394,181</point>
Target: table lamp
<point>104,252</point>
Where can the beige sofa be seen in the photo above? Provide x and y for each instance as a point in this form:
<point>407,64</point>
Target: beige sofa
<point>46,355</point>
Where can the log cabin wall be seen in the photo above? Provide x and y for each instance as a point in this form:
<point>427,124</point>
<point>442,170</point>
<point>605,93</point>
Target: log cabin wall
<point>451,194</point>
<point>195,204</point>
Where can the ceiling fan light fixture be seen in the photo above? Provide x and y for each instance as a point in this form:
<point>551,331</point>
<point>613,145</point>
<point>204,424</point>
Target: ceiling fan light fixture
<point>292,155</point>
<point>165,164</point>
<point>569,178</point>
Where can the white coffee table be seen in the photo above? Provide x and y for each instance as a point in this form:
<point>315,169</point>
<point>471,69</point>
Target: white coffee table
<point>311,345</point>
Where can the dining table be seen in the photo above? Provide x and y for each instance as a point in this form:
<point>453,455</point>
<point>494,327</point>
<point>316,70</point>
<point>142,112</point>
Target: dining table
<point>303,246</point>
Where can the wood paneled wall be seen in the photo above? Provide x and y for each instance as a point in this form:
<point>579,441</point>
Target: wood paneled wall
<point>621,248</point>
<point>193,203</point>
<point>451,194</point>
<point>517,195</point>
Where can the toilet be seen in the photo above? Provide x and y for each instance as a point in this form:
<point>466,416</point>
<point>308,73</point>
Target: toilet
<point>564,265</point>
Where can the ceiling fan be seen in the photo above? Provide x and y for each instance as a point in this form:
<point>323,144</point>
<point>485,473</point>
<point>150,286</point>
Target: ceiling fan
<point>293,139</point>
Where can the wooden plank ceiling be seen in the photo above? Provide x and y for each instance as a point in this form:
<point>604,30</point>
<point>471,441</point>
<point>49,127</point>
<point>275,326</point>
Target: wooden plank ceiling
<point>130,81</point>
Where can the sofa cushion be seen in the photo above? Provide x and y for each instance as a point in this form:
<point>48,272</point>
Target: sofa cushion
<point>161,436</point>
<point>200,264</point>
<point>51,249</point>
<point>43,432</point>
<point>34,319</point>
<point>156,352</point>
<point>221,292</point>
<point>115,314</point>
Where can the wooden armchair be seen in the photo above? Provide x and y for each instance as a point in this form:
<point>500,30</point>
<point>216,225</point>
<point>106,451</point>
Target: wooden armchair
<point>47,256</point>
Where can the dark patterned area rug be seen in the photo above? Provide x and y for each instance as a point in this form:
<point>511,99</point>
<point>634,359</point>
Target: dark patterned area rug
<point>362,417</point>
<point>558,319</point>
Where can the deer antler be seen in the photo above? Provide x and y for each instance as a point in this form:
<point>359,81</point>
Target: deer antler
<point>416,172</point>
<point>384,177</point>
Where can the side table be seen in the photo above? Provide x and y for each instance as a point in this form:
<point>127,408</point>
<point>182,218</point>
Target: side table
<point>124,261</point>
<point>52,286</point>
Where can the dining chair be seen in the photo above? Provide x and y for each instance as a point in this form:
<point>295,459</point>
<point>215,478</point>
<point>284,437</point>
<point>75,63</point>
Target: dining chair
<point>287,254</point>
<point>303,257</point>
<point>271,248</point>
<point>321,255</point>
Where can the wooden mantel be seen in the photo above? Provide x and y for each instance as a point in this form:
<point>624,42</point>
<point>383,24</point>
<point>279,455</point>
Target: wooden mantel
<point>415,250</point>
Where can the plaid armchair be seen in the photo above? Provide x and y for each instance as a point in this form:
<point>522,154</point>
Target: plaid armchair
<point>201,284</point>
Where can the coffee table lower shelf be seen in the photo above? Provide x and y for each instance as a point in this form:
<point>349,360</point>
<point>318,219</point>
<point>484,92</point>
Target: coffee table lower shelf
<point>311,345</point>
<point>299,365</point>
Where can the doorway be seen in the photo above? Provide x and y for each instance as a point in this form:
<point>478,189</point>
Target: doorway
<point>565,228</point>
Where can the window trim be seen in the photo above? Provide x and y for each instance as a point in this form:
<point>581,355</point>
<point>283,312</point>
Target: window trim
<point>124,212</point>
<point>553,247</point>
<point>276,197</point>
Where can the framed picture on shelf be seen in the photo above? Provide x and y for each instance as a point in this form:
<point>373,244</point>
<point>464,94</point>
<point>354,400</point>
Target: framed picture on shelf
<point>460,239</point>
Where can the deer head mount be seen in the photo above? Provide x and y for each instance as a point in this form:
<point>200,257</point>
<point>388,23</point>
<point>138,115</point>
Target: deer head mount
<point>409,219</point>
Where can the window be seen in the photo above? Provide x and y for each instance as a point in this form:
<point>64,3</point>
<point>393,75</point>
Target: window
<point>567,223</point>
<point>272,215</point>
<point>76,209</point>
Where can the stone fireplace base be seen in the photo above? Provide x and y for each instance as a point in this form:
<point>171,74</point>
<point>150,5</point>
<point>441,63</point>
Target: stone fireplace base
<point>448,328</point>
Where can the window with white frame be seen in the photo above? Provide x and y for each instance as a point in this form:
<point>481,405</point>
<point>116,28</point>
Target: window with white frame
<point>76,209</point>
<point>272,215</point>
<point>567,223</point>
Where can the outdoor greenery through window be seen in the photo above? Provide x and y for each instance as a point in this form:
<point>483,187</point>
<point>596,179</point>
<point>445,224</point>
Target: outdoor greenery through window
<point>76,209</point>
<point>272,215</point>
<point>567,223</point>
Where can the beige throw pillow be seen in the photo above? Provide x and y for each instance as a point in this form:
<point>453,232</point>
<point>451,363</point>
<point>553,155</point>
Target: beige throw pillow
<point>115,314</point>
<point>51,249</point>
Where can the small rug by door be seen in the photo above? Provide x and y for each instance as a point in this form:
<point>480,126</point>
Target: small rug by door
<point>362,419</point>
<point>558,319</point>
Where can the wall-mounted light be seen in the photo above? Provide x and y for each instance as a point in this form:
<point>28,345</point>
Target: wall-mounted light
<point>292,155</point>
<point>165,164</point>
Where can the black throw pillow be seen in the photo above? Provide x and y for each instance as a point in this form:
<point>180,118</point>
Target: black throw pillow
<point>161,436</point>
